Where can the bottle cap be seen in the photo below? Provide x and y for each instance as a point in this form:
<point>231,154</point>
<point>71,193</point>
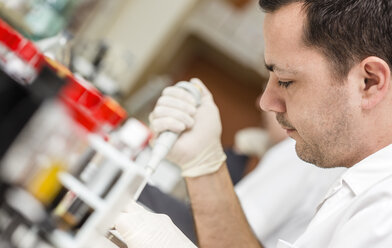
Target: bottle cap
<point>9,37</point>
<point>110,112</point>
<point>28,52</point>
<point>82,99</point>
<point>82,93</point>
<point>84,119</point>
<point>22,47</point>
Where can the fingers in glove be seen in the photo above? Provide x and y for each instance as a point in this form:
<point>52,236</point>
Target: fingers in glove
<point>203,88</point>
<point>167,112</point>
<point>166,124</point>
<point>172,102</point>
<point>180,94</point>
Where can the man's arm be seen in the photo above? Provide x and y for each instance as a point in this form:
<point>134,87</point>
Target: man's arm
<point>219,219</point>
<point>198,151</point>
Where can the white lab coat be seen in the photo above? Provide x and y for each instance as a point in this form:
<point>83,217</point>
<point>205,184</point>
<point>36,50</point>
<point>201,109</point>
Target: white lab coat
<point>357,210</point>
<point>281,195</point>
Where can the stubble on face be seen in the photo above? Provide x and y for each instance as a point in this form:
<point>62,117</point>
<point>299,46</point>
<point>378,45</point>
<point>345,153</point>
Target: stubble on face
<point>317,108</point>
<point>324,136</point>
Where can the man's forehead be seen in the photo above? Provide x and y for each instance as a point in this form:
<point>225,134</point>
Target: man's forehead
<point>283,43</point>
<point>288,15</point>
<point>284,26</point>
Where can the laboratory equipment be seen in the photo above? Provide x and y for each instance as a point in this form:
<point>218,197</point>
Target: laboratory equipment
<point>67,164</point>
<point>19,57</point>
<point>60,137</point>
<point>100,174</point>
<point>166,139</point>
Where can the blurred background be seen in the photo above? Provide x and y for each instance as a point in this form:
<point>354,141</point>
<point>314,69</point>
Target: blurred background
<point>132,49</point>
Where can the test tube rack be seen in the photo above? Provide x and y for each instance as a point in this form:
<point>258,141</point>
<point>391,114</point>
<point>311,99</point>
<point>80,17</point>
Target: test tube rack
<point>105,209</point>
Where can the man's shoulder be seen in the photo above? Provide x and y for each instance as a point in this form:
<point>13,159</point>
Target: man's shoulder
<point>383,187</point>
<point>381,192</point>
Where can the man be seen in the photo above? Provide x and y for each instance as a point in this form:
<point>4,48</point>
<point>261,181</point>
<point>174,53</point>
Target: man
<point>330,78</point>
<point>279,197</point>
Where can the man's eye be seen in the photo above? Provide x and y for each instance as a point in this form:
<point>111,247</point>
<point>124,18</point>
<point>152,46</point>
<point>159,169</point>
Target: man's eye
<point>285,84</point>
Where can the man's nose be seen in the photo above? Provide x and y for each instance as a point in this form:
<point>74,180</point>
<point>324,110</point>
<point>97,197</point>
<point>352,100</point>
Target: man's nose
<point>271,99</point>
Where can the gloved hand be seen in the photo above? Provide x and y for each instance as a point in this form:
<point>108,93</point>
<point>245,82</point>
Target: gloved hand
<point>198,151</point>
<point>143,229</point>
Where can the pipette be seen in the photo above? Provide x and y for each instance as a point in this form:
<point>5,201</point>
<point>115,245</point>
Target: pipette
<point>166,139</point>
<point>162,147</point>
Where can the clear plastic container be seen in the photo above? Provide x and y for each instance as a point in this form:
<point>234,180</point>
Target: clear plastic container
<point>48,145</point>
<point>52,142</point>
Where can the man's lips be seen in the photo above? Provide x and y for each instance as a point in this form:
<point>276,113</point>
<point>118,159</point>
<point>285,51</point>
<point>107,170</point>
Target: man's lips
<point>284,123</point>
<point>288,128</point>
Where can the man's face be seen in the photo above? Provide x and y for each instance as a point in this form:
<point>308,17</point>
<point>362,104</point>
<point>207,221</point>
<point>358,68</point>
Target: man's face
<point>317,111</point>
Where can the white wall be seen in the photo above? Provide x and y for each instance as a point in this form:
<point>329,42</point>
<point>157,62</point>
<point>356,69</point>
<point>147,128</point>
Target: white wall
<point>142,27</point>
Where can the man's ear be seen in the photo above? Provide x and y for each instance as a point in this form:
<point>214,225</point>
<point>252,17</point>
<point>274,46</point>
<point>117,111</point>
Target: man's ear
<point>376,80</point>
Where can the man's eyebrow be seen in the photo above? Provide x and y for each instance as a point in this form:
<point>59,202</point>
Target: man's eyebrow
<point>269,67</point>
<point>273,67</point>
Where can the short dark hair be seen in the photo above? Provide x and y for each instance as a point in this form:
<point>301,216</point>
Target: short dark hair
<point>345,31</point>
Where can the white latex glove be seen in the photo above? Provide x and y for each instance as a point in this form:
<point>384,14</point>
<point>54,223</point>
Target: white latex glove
<point>143,229</point>
<point>198,151</point>
<point>253,141</point>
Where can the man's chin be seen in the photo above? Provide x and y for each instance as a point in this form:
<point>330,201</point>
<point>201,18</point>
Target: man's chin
<point>304,153</point>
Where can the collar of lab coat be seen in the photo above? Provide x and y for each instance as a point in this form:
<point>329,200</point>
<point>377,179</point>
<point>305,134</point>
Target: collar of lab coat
<point>364,174</point>
<point>369,171</point>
